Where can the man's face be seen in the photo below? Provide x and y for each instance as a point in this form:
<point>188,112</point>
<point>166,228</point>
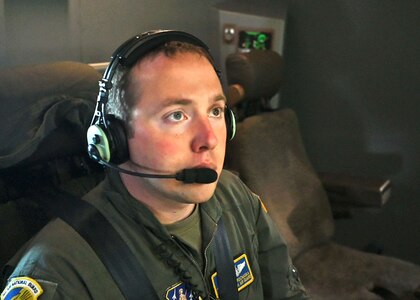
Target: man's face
<point>178,123</point>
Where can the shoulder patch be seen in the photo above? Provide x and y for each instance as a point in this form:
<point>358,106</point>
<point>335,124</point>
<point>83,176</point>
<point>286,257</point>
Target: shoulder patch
<point>263,205</point>
<point>244,276</point>
<point>24,288</point>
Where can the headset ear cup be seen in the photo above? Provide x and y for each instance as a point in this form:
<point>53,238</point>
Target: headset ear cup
<point>108,143</point>
<point>230,123</point>
<point>98,143</point>
<point>118,140</point>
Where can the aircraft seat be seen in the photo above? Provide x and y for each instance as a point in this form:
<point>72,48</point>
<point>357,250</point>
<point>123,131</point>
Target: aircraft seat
<point>269,155</point>
<point>46,109</point>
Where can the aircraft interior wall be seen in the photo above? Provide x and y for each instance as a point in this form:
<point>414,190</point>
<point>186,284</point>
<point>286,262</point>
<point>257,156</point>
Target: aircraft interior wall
<point>352,75</point>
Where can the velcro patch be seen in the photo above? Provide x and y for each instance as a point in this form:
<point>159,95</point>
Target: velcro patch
<point>23,288</point>
<point>243,273</point>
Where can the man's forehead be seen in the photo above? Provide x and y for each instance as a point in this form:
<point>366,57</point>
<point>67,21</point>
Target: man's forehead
<point>162,58</point>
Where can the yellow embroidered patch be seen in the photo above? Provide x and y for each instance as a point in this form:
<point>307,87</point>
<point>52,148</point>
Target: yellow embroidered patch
<point>243,272</point>
<point>21,288</point>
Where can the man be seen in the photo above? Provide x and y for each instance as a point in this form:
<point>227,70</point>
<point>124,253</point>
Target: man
<point>173,110</point>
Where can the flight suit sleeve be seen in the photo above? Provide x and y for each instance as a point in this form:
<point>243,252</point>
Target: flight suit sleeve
<point>280,279</point>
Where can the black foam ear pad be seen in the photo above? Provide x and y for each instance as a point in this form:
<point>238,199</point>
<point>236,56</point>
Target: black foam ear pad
<point>230,123</point>
<point>118,140</point>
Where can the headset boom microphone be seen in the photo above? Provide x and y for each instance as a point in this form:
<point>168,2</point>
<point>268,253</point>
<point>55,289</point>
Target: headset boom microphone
<point>198,175</point>
<point>201,175</point>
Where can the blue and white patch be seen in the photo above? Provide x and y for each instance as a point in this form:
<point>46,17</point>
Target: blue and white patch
<point>179,292</point>
<point>24,288</point>
<point>244,276</point>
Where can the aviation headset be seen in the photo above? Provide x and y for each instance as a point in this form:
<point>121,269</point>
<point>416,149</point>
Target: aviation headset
<point>106,136</point>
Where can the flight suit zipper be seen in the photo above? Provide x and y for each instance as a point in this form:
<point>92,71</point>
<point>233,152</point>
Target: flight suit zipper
<point>205,255</point>
<point>188,254</point>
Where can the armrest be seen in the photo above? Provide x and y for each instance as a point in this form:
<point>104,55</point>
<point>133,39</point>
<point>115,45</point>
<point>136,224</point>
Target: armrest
<point>347,193</point>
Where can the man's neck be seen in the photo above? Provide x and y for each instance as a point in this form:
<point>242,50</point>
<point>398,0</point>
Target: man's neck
<point>167,215</point>
<point>167,211</point>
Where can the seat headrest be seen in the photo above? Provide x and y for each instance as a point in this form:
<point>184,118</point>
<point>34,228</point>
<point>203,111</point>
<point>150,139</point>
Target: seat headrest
<point>46,109</point>
<point>257,74</point>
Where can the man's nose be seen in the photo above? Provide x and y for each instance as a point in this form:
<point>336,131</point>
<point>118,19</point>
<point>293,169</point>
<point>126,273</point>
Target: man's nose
<point>205,137</point>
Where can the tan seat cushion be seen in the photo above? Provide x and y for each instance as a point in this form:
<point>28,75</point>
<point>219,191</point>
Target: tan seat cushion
<point>269,155</point>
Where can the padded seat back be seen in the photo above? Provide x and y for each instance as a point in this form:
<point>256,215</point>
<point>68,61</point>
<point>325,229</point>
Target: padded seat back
<point>269,155</point>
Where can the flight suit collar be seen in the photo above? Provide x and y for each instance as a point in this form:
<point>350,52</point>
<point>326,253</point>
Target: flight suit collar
<point>131,207</point>
<point>128,205</point>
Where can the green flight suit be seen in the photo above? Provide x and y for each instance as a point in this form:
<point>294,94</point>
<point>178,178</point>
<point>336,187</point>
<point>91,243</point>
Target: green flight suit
<point>66,267</point>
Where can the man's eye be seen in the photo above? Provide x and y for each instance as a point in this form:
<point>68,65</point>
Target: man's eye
<point>177,116</point>
<point>217,111</point>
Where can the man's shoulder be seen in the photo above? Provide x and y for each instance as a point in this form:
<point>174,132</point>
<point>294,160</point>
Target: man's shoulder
<point>56,241</point>
<point>231,181</point>
<point>231,190</point>
<point>229,178</point>
<point>55,256</point>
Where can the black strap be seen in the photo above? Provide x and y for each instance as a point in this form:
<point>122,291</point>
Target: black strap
<point>224,264</point>
<point>108,245</point>
<point>121,263</point>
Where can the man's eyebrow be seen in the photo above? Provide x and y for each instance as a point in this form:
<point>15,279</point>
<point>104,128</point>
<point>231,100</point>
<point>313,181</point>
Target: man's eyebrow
<point>220,97</point>
<point>183,101</point>
<point>174,101</point>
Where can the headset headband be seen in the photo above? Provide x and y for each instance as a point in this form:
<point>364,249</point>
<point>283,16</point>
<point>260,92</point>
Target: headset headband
<point>133,49</point>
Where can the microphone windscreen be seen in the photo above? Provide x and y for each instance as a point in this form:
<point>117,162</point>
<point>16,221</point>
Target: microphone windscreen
<point>203,175</point>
